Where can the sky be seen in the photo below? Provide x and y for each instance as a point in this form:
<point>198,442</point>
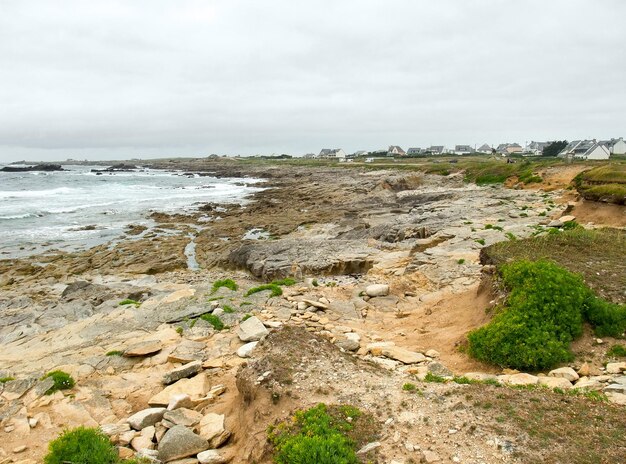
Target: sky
<point>138,79</point>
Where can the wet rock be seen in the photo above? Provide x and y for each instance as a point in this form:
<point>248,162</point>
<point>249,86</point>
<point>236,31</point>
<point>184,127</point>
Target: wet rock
<point>252,329</point>
<point>180,442</point>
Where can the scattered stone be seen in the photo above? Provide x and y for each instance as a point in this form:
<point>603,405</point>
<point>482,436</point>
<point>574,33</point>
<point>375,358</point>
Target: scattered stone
<point>377,290</point>
<point>429,457</point>
<point>20,449</point>
<point>315,304</point>
<point>182,372</point>
<point>369,447</point>
<point>114,429</point>
<point>181,400</point>
<point>212,429</point>
<point>180,442</point>
<point>188,351</point>
<point>565,372</point>
<point>402,355</point>
<point>183,416</point>
<point>246,350</point>
<point>252,329</point>
<point>125,453</point>
<point>143,349</point>
<point>146,418</point>
<point>522,379</point>
<point>348,345</point>
<point>211,457</point>
<point>141,443</point>
<point>615,368</point>
<point>432,353</point>
<point>555,382</point>
<point>439,369</point>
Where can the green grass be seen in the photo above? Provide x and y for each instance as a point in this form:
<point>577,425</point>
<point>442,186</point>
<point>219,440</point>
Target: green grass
<point>480,241</point>
<point>543,313</point>
<point>228,309</point>
<point>616,351</point>
<point>128,301</point>
<point>287,282</point>
<point>62,381</point>
<point>227,283</point>
<point>214,320</point>
<point>604,183</point>
<point>491,226</point>
<point>215,298</point>
<point>246,317</point>
<point>321,435</point>
<point>409,387</point>
<point>430,377</point>
<point>273,288</point>
<point>6,379</point>
<point>81,445</point>
<point>461,261</point>
<point>115,353</point>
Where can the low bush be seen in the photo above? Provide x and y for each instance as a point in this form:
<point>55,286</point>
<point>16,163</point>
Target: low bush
<point>617,351</point>
<point>319,435</point>
<point>543,314</point>
<point>287,282</point>
<point>273,288</point>
<point>81,445</point>
<point>214,320</point>
<point>227,283</point>
<point>62,381</point>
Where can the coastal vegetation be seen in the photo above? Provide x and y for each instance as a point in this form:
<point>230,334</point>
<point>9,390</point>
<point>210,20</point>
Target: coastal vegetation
<point>225,283</point>
<point>214,320</point>
<point>543,313</point>
<point>322,435</point>
<point>62,381</point>
<point>605,183</point>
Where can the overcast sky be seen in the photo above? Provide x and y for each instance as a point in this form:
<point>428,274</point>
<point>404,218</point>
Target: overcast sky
<point>113,79</point>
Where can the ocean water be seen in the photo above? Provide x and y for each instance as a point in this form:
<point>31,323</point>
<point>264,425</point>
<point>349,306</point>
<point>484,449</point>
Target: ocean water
<point>44,211</point>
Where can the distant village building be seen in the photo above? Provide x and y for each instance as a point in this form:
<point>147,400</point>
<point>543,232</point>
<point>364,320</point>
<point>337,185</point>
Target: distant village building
<point>615,146</point>
<point>509,148</point>
<point>536,148</point>
<point>484,148</point>
<point>395,150</point>
<point>309,156</point>
<point>358,154</point>
<point>332,153</point>
<point>435,149</point>
<point>414,151</point>
<point>586,150</point>
<point>463,150</point>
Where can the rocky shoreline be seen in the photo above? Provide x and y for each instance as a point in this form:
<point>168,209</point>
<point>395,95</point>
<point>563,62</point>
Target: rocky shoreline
<point>389,280</point>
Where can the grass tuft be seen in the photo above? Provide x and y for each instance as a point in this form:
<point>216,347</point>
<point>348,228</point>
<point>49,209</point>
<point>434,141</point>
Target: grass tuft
<point>227,283</point>
<point>214,320</point>
<point>62,381</point>
<point>273,288</point>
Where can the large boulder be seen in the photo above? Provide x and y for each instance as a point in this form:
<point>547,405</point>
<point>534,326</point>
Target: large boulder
<point>182,372</point>
<point>196,388</point>
<point>252,329</point>
<point>212,429</point>
<point>377,290</point>
<point>179,442</point>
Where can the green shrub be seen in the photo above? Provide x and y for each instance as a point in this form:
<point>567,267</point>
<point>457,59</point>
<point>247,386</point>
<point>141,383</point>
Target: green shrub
<point>543,314</point>
<point>214,320</point>
<point>480,241</point>
<point>275,289</point>
<point>409,387</point>
<point>609,319</point>
<point>316,436</point>
<point>287,282</point>
<point>430,377</point>
<point>81,445</point>
<point>62,381</point>
<point>617,351</point>
<point>461,261</point>
<point>228,283</point>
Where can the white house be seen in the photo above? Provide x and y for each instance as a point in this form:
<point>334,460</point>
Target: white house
<point>414,151</point>
<point>484,148</point>
<point>586,150</point>
<point>436,149</point>
<point>463,150</point>
<point>332,153</point>
<point>535,148</point>
<point>615,146</point>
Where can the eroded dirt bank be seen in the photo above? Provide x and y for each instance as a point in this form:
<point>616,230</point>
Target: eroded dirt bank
<point>332,337</point>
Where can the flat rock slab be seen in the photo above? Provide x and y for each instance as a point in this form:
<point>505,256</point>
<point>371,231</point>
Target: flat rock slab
<point>188,351</point>
<point>212,429</point>
<point>142,419</point>
<point>196,388</point>
<point>179,442</point>
<point>565,373</point>
<point>182,372</point>
<point>403,355</point>
<point>282,258</point>
<point>252,329</point>
<point>143,349</point>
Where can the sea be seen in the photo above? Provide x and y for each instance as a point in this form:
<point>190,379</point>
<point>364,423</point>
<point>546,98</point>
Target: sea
<point>77,208</point>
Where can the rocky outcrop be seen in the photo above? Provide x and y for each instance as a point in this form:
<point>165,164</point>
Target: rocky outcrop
<point>46,167</point>
<point>284,258</point>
